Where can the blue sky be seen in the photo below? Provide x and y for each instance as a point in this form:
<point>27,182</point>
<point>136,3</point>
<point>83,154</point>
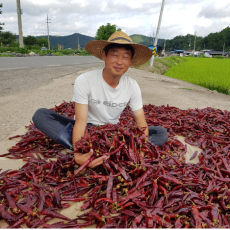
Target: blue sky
<point>180,17</point>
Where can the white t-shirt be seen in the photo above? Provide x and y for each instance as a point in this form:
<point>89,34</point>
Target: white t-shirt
<point>105,102</point>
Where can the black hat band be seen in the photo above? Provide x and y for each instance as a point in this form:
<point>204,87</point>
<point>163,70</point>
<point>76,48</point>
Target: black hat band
<point>119,38</point>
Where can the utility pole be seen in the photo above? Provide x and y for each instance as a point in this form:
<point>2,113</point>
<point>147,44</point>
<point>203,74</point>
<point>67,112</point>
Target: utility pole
<point>223,49</point>
<point>154,48</point>
<point>165,45</point>
<point>163,51</point>
<point>19,12</point>
<point>78,46</point>
<point>153,36</point>
<point>48,31</point>
<point>194,45</point>
<point>158,30</point>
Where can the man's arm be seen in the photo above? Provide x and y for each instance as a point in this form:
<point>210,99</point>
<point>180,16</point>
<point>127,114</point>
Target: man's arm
<point>81,116</point>
<point>139,117</point>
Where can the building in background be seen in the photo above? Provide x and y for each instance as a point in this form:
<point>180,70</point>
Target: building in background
<point>216,53</point>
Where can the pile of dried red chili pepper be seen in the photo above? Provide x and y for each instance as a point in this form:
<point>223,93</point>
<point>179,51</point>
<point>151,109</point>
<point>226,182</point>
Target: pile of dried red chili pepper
<point>159,190</point>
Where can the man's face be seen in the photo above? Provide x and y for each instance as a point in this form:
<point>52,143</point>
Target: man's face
<point>117,61</point>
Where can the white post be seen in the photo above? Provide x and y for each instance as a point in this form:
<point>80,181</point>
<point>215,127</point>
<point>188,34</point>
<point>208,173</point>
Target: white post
<point>223,49</point>
<point>153,37</point>
<point>194,45</point>
<point>158,30</point>
<point>19,12</point>
<point>48,32</point>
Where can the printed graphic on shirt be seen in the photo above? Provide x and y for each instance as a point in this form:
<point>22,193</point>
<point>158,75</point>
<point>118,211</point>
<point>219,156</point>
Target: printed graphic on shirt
<point>96,101</point>
<point>111,104</point>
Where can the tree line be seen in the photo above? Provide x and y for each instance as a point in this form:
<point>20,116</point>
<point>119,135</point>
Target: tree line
<point>7,38</point>
<point>213,41</point>
<point>1,24</point>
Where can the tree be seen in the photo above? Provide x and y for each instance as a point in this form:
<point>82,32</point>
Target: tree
<point>216,41</point>
<point>1,24</point>
<point>30,41</point>
<point>183,42</point>
<point>104,32</point>
<point>7,38</point>
<point>42,42</point>
<point>213,41</point>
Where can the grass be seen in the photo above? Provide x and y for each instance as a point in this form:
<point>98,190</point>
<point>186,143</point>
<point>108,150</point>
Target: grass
<point>185,88</point>
<point>38,50</point>
<point>161,65</point>
<point>6,55</point>
<point>207,72</point>
<point>170,61</point>
<point>58,54</point>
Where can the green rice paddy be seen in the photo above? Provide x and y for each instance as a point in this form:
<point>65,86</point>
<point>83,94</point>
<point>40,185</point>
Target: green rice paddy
<point>210,73</point>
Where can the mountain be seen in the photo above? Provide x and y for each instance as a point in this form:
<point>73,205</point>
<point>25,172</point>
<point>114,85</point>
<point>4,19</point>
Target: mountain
<point>70,41</point>
<point>213,41</point>
<point>145,40</point>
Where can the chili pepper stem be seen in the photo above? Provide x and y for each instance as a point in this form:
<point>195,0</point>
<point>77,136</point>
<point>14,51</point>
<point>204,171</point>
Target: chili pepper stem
<point>163,219</point>
<point>204,225</point>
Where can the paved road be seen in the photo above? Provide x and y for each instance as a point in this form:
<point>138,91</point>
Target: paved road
<point>23,73</point>
<point>13,63</point>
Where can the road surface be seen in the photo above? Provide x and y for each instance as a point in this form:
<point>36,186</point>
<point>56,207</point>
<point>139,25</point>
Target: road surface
<point>23,73</point>
<point>12,63</point>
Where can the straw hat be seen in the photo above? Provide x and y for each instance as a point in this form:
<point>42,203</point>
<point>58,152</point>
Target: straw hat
<point>141,53</point>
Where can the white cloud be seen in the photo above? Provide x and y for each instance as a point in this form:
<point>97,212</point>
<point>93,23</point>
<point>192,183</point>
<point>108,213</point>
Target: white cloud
<point>215,10</point>
<point>180,17</point>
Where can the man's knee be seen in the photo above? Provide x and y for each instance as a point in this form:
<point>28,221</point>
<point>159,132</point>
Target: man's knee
<point>158,135</point>
<point>39,115</point>
<point>164,136</point>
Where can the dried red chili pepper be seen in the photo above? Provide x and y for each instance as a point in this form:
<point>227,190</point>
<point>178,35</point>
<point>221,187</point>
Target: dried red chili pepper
<point>54,214</point>
<point>18,223</point>
<point>83,166</point>
<point>199,126</point>
<point>75,199</point>
<point>26,209</point>
<point>11,203</point>
<point>5,215</point>
<point>109,187</point>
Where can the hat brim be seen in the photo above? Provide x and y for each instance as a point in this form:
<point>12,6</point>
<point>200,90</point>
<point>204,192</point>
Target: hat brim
<point>141,53</point>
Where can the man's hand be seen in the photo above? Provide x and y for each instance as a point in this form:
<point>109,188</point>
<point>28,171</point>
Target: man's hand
<point>142,154</point>
<point>82,158</point>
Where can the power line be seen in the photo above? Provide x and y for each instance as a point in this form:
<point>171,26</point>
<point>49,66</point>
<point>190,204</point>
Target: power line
<point>34,6</point>
<point>38,7</point>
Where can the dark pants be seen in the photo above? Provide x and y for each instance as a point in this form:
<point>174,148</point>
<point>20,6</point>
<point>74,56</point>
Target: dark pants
<point>52,124</point>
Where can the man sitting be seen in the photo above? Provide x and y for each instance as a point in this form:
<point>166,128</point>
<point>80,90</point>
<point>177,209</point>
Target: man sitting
<point>101,95</point>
